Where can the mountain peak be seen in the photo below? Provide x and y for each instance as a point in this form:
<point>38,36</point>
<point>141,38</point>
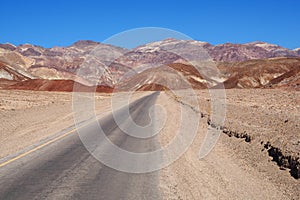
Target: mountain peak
<point>84,43</point>
<point>263,44</point>
<point>257,42</point>
<point>297,49</point>
<point>8,46</point>
<point>170,39</point>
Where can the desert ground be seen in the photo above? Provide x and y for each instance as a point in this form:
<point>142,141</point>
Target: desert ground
<point>236,168</point>
<point>251,159</point>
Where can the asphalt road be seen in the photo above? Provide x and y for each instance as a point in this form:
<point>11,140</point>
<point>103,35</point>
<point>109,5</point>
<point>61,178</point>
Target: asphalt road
<point>65,169</point>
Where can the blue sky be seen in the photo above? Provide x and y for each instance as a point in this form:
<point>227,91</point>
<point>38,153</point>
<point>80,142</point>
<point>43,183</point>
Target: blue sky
<point>60,23</point>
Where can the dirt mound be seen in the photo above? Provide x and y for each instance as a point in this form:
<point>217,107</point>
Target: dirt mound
<point>57,85</point>
<point>288,80</point>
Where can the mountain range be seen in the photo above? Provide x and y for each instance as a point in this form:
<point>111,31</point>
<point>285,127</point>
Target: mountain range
<point>157,65</point>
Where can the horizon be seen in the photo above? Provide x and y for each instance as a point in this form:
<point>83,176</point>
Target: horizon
<point>142,43</point>
<point>59,23</point>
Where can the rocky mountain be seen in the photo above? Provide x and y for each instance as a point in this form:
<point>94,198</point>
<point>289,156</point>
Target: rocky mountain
<point>63,62</point>
<point>171,76</point>
<point>297,51</point>
<point>168,51</point>
<point>255,64</point>
<point>271,72</point>
<point>241,52</point>
<point>250,65</point>
<point>228,52</point>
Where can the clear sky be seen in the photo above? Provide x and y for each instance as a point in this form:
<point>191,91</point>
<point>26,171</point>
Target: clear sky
<point>62,22</point>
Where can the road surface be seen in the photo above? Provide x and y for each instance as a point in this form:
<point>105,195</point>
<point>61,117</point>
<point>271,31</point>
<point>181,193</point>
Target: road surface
<point>64,169</point>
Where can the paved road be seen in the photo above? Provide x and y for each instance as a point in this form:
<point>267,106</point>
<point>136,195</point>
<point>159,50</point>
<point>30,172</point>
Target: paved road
<point>66,170</point>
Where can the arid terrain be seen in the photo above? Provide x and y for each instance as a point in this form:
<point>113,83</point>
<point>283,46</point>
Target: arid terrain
<point>28,117</point>
<point>257,155</point>
<point>236,168</point>
<point>150,100</point>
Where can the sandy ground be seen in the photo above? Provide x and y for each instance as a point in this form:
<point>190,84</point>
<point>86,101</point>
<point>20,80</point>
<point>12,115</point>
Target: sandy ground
<point>27,117</point>
<point>235,169</point>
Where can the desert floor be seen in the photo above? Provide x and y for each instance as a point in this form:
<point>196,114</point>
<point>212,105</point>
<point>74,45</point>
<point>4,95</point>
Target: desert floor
<point>235,167</point>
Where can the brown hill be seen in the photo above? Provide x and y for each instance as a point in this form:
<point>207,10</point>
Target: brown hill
<point>172,76</point>
<point>9,73</point>
<point>10,76</point>
<point>57,85</point>
<point>272,72</point>
<point>289,80</point>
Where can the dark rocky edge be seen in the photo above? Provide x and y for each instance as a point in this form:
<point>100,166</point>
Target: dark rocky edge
<point>282,160</point>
